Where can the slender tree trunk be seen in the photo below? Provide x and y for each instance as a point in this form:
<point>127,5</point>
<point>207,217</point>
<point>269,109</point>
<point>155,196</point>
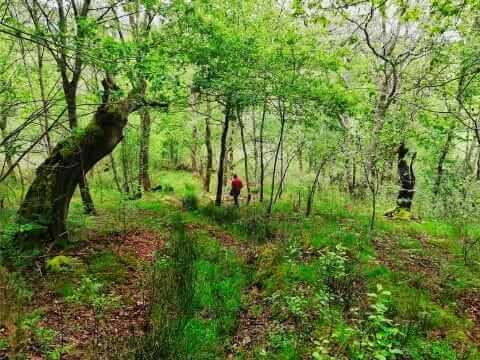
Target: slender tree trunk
<point>3,132</point>
<point>208,145</point>
<point>194,133</point>
<point>441,162</point>
<point>277,152</point>
<point>313,189</point>
<point>126,182</point>
<point>280,186</point>
<point>194,149</point>
<point>300,160</point>
<point>478,163</point>
<point>229,163</point>
<point>245,154</point>
<point>223,151</point>
<point>41,81</point>
<point>47,201</point>
<point>255,147</point>
<point>144,161</point>
<point>262,153</point>
<point>115,173</point>
<point>71,99</point>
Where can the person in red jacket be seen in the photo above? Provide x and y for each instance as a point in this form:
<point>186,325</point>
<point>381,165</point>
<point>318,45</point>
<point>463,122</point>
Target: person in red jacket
<point>237,186</point>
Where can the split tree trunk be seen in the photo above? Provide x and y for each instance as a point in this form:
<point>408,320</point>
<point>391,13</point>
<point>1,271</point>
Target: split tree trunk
<point>45,206</point>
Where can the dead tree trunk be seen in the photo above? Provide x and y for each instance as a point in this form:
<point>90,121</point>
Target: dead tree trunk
<point>144,160</point>
<point>223,152</point>
<point>45,206</point>
<point>407,179</point>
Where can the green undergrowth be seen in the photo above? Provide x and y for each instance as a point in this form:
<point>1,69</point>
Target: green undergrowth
<point>196,296</point>
<point>328,288</point>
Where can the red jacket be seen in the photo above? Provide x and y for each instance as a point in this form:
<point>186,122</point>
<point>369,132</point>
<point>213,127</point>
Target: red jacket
<point>237,185</point>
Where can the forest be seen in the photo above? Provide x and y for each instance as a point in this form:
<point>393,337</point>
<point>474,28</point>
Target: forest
<point>241,179</point>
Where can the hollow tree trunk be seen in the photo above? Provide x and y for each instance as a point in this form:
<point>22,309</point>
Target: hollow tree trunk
<point>45,206</point>
<point>144,160</point>
<point>407,179</point>
<point>223,152</point>
<point>208,145</point>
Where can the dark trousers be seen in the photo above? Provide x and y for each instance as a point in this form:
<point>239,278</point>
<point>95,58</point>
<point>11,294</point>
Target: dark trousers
<point>235,197</point>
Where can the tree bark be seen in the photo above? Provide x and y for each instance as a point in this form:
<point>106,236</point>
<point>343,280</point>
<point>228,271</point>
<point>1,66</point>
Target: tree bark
<point>223,152</point>
<point>45,206</point>
<point>144,160</point>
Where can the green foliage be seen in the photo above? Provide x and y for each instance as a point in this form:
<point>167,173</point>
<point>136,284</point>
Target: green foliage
<point>90,292</point>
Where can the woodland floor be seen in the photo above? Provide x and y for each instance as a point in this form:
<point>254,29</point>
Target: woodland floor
<point>264,282</point>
